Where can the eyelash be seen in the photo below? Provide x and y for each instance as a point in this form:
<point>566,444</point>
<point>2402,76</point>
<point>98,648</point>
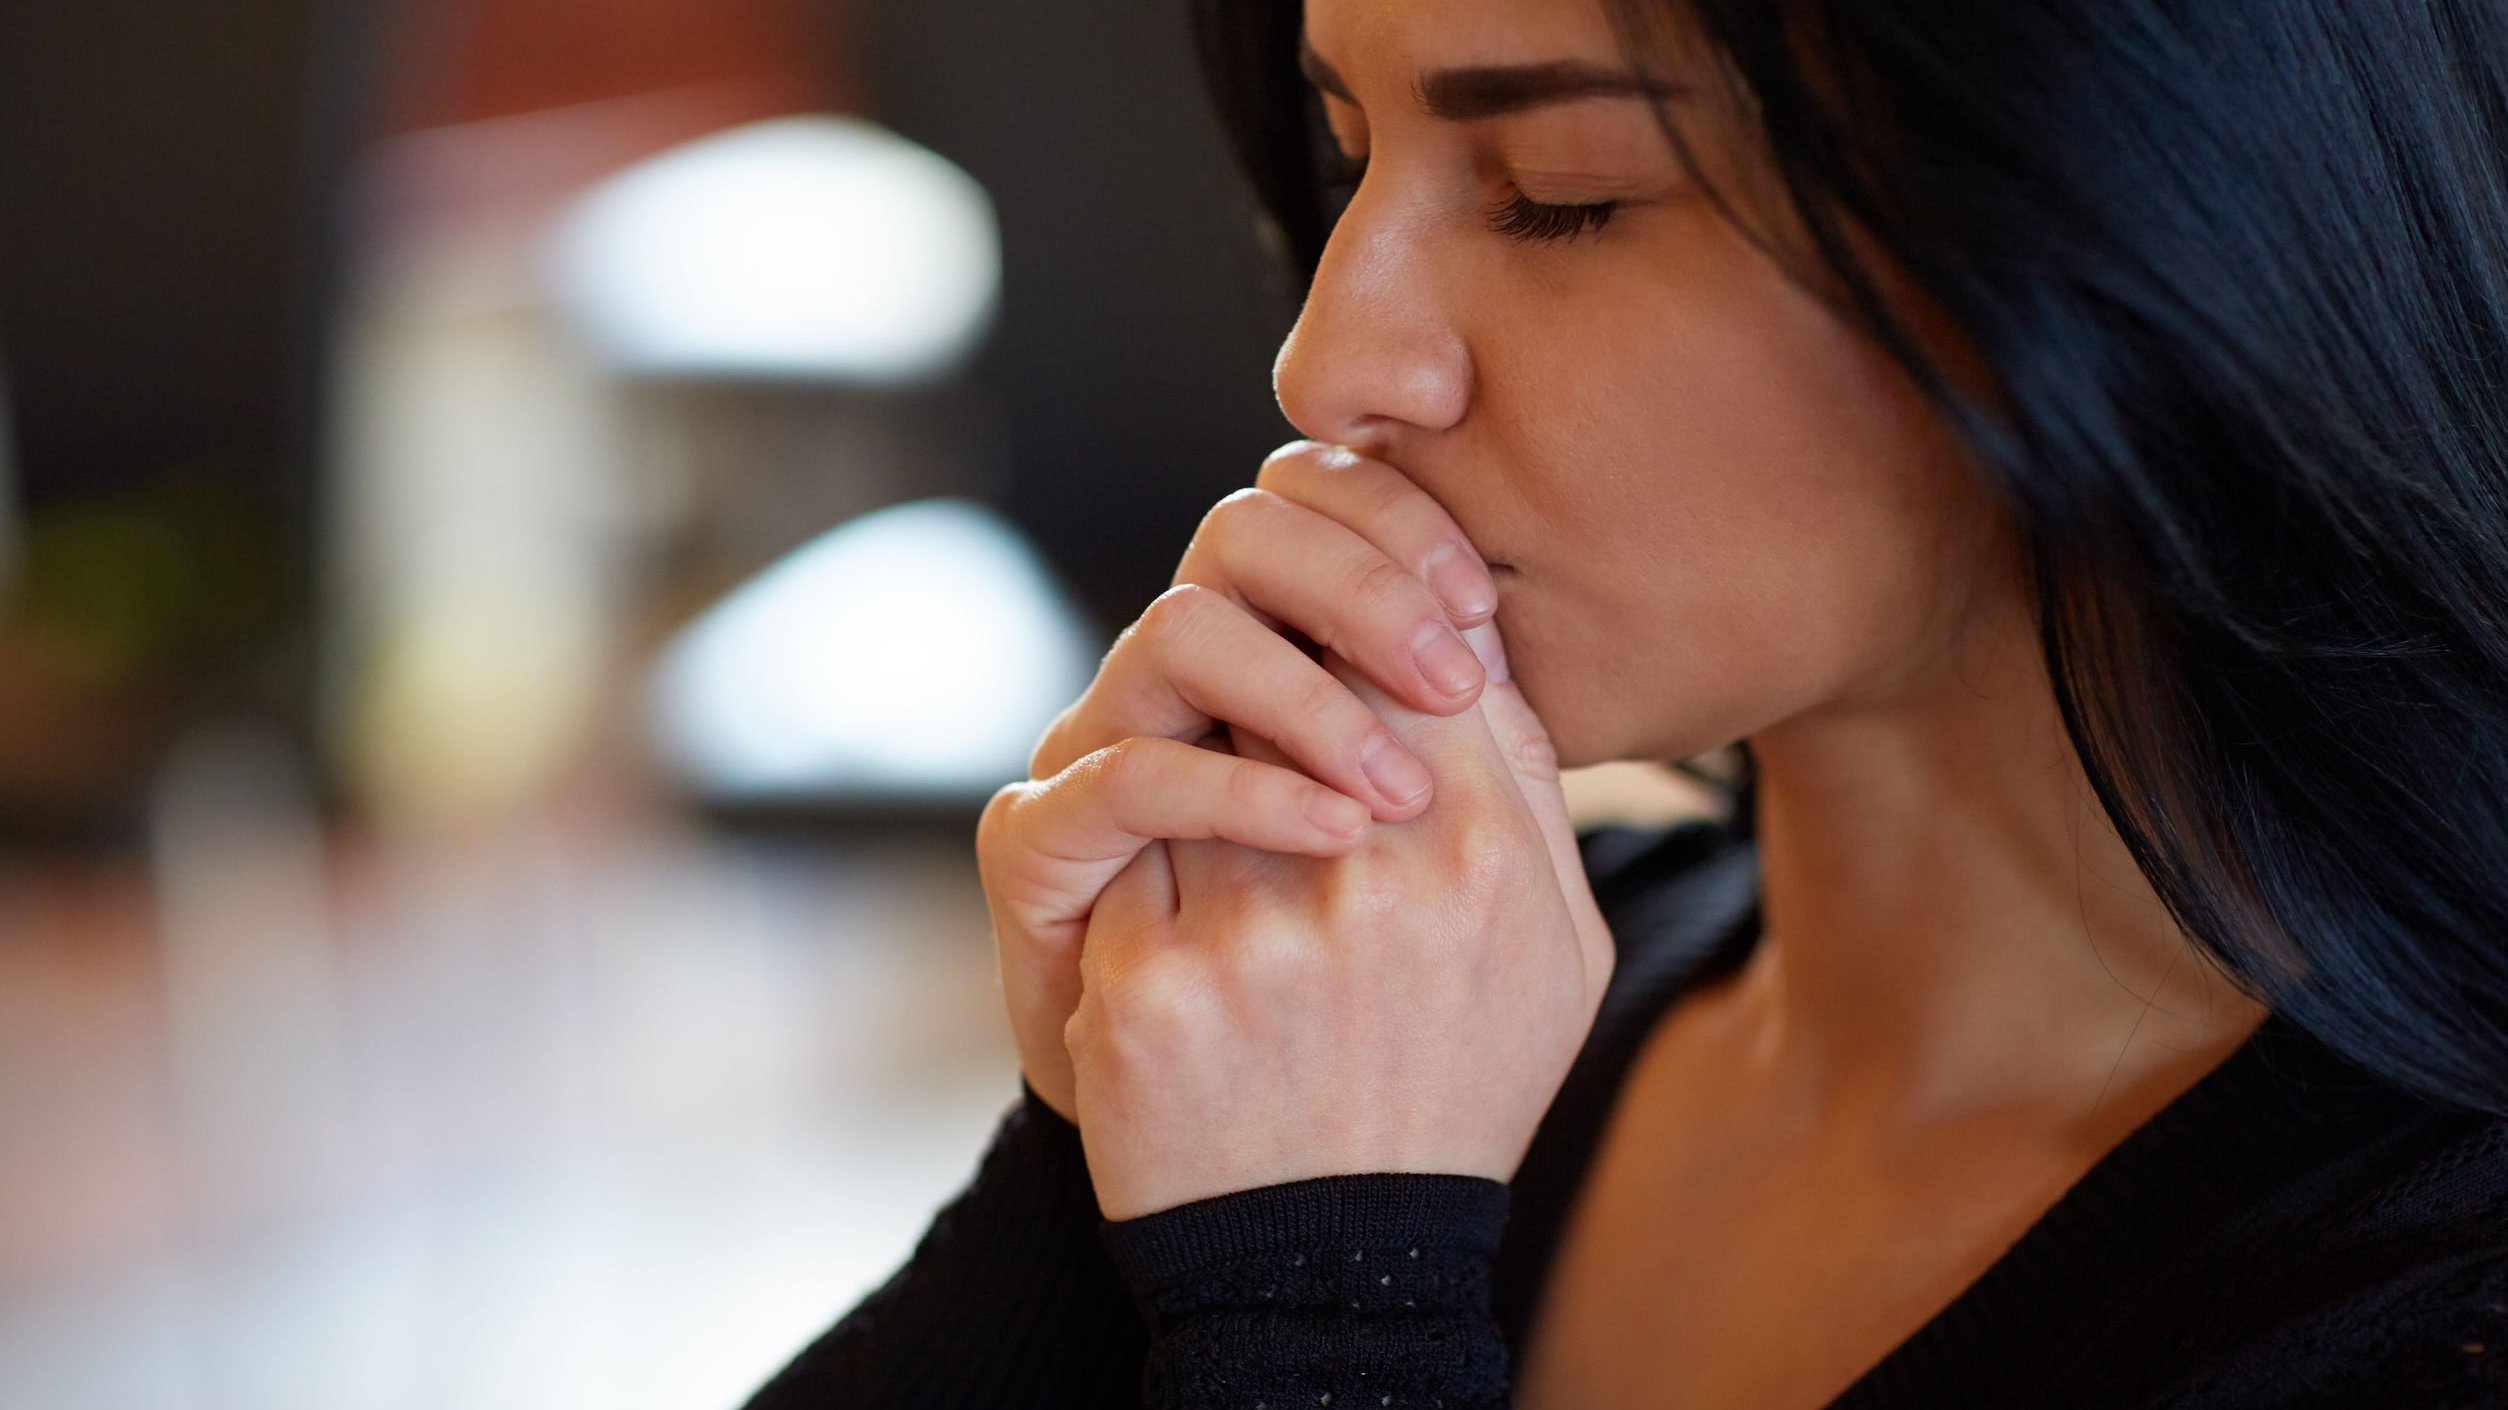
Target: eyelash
<point>1523,218</point>
<point>1519,217</point>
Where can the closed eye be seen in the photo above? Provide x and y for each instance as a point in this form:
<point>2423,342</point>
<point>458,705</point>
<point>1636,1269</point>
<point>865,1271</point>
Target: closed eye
<point>1519,217</point>
<point>1523,218</point>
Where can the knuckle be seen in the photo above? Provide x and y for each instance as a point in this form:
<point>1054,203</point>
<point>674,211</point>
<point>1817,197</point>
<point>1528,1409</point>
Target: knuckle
<point>1177,619</point>
<point>1364,898</point>
<point>1143,1007</point>
<point>1534,756</point>
<point>1227,514</point>
<point>1382,583</point>
<point>1287,463</point>
<point>1274,960</point>
<point>1079,1032</point>
<point>1485,854</point>
<point>1177,604</point>
<point>1177,613</point>
<point>1115,770</point>
<point>1246,784</point>
<point>990,823</point>
<point>1322,697</point>
<point>997,829</point>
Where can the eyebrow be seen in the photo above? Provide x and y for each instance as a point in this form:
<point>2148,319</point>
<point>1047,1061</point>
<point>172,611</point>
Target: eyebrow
<point>1467,94</point>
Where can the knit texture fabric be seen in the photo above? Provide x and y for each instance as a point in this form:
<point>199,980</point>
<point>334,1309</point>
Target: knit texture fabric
<point>1350,1290</point>
<point>2290,1233</point>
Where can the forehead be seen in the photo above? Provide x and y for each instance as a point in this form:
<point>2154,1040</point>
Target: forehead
<point>1377,36</point>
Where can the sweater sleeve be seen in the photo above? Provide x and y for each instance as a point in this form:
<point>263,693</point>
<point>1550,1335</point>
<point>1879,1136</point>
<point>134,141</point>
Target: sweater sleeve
<point>1008,1301</point>
<point>1345,1290</point>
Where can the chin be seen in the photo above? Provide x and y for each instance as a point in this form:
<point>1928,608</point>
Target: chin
<point>1575,744</point>
<point>1581,734</point>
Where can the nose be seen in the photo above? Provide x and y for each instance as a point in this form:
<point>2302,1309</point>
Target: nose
<point>1372,356</point>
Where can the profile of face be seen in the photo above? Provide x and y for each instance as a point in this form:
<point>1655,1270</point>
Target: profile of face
<point>1713,504</point>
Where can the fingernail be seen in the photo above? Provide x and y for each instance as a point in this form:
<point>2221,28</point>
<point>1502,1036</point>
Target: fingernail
<point>1491,650</point>
<point>1464,590</point>
<point>1335,813</point>
<point>1398,776</point>
<point>1447,662</point>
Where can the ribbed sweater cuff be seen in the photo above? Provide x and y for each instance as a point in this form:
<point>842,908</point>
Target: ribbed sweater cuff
<point>1343,1289</point>
<point>1451,1215</point>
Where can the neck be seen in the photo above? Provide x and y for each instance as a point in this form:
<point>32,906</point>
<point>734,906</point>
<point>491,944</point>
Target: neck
<point>1951,925</point>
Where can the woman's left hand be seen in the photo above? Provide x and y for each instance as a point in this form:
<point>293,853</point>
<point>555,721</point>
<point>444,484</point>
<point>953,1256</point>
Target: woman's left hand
<point>1249,1018</point>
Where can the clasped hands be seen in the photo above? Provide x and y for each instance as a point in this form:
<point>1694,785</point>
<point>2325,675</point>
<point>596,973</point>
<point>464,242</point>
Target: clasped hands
<point>1233,951</point>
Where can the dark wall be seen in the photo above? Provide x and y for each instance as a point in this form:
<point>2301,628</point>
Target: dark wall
<point>167,174</point>
<point>1133,358</point>
<point>168,180</point>
<point>152,235</point>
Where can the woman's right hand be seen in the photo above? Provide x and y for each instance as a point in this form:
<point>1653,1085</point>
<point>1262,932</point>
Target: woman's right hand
<point>1345,550</point>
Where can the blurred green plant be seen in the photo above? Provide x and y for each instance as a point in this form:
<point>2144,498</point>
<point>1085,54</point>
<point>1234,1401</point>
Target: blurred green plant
<point>178,576</point>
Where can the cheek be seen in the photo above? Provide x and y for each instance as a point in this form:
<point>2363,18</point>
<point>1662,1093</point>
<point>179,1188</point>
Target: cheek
<point>1741,508</point>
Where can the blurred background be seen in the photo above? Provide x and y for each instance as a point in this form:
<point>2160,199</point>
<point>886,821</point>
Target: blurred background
<point>528,530</point>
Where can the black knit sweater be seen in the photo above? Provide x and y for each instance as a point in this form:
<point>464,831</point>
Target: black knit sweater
<point>2289,1232</point>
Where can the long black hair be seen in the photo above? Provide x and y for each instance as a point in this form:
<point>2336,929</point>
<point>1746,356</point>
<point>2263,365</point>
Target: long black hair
<point>2239,272</point>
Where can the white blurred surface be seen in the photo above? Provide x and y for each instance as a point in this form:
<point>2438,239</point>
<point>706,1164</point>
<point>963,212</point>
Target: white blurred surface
<point>598,1114</point>
<point>808,247</point>
<point>918,651</point>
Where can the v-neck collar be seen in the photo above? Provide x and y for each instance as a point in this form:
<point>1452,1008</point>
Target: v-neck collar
<point>2279,1101</point>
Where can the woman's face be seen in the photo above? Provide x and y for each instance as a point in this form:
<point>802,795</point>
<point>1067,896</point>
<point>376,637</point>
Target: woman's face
<point>1713,506</point>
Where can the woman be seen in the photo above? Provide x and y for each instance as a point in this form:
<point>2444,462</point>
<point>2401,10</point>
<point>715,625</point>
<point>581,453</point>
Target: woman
<point>2068,445</point>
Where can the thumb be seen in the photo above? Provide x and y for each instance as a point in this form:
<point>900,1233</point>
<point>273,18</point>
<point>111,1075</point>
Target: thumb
<point>1533,759</point>
<point>1473,755</point>
<point>1520,734</point>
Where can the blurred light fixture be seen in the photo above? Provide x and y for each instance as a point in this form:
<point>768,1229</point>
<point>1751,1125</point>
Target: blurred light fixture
<point>811,247</point>
<point>911,655</point>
